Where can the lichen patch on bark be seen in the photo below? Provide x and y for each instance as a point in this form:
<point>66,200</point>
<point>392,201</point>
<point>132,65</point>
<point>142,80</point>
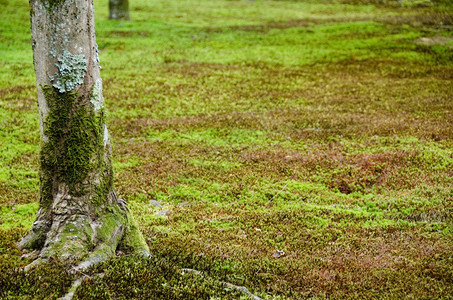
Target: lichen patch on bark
<point>96,96</point>
<point>72,69</point>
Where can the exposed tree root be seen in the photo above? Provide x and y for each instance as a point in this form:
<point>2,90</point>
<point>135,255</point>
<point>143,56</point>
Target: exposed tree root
<point>103,251</point>
<point>239,288</point>
<point>242,289</point>
<point>37,236</point>
<point>71,292</point>
<point>85,239</point>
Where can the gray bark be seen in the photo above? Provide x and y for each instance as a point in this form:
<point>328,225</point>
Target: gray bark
<point>80,217</point>
<point>119,9</point>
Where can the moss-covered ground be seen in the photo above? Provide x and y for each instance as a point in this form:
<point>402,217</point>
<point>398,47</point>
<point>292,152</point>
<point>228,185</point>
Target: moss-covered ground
<point>304,149</point>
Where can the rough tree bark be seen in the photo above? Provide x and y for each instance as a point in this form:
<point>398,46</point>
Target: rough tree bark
<point>80,218</point>
<point>119,9</point>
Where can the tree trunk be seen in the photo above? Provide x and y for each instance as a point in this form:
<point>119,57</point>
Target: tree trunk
<point>80,217</point>
<point>119,9</point>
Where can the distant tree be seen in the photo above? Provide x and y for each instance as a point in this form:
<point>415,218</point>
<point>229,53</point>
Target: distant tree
<point>80,217</point>
<point>119,9</point>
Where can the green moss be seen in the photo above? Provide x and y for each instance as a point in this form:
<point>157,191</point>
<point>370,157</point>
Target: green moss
<point>18,216</point>
<point>103,189</point>
<point>133,240</point>
<point>345,125</point>
<point>74,148</point>
<point>155,278</point>
<point>48,281</point>
<point>110,221</point>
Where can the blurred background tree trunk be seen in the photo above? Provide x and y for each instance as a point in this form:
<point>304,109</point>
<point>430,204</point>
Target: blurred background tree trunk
<point>119,10</point>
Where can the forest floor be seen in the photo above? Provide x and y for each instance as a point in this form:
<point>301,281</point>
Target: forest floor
<point>297,148</point>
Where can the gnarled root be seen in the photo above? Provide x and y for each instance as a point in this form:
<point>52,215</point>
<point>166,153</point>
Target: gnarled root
<point>69,231</point>
<point>87,240</point>
<point>37,236</point>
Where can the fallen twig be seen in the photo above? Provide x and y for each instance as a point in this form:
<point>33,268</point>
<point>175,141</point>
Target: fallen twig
<point>278,193</point>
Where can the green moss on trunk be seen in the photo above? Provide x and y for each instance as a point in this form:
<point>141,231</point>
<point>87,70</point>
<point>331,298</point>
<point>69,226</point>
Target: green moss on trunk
<point>74,147</point>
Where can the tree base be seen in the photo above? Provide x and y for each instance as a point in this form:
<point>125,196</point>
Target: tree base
<point>85,239</point>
